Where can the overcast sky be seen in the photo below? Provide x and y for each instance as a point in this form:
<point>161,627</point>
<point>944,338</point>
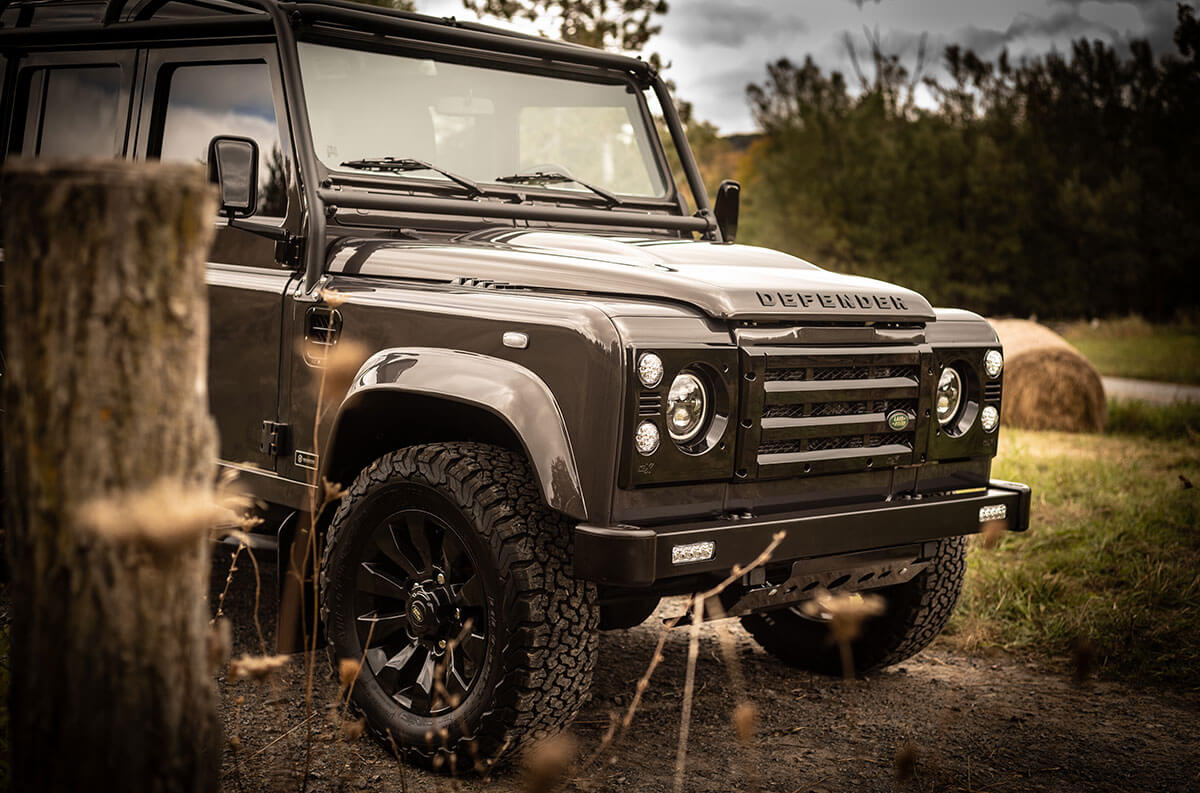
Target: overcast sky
<point>716,47</point>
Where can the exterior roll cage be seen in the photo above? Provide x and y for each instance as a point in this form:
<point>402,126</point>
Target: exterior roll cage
<point>321,202</point>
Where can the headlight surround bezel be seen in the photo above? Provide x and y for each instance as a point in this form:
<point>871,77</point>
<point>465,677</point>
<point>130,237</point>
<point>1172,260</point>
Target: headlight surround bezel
<point>949,378</point>
<point>965,437</point>
<point>708,454</point>
<point>696,428</point>
<point>964,419</point>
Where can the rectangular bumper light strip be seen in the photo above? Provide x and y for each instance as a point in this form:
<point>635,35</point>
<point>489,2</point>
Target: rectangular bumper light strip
<point>992,512</point>
<point>693,552</point>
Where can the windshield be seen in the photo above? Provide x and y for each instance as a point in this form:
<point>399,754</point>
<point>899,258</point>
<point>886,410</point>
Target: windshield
<point>485,124</point>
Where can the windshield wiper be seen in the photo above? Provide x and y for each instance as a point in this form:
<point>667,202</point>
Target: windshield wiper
<point>405,164</point>
<point>554,177</point>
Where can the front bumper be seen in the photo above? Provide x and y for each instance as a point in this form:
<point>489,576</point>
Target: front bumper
<point>639,557</point>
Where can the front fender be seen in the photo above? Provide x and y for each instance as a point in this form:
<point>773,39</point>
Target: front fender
<point>508,390</point>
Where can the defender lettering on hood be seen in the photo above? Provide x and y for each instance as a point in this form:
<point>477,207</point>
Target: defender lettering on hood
<point>828,300</point>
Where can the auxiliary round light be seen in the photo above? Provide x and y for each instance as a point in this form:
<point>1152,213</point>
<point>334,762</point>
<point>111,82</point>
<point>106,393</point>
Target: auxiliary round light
<point>687,407</point>
<point>989,418</point>
<point>646,438</point>
<point>949,396</point>
<point>650,369</point>
<point>993,363</point>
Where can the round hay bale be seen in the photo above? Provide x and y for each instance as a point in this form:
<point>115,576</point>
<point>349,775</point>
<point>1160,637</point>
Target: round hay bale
<point>1048,384</point>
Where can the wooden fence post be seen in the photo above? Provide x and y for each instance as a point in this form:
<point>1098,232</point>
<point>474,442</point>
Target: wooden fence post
<point>106,338</point>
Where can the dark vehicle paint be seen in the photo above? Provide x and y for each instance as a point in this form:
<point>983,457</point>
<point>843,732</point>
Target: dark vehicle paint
<point>724,281</point>
<point>432,282</point>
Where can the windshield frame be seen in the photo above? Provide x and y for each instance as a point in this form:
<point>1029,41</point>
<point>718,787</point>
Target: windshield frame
<point>671,200</point>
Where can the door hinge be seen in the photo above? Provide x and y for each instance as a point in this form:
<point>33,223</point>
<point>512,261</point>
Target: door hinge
<point>288,251</point>
<point>273,438</point>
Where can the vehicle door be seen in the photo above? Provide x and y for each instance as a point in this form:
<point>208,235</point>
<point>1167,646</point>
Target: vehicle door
<point>192,94</point>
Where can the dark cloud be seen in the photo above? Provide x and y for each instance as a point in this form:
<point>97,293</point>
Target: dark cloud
<point>730,24</point>
<point>1160,20</point>
<point>728,88</point>
<point>1065,24</point>
<point>1141,3</point>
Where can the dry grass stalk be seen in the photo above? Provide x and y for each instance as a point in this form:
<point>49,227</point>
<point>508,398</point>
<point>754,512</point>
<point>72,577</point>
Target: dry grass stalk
<point>745,717</point>
<point>352,729</point>
<point>548,763</point>
<point>905,761</point>
<point>258,668</point>
<point>348,671</point>
<point>697,613</point>
<point>745,713</point>
<point>992,533</point>
<point>220,644</point>
<point>340,368</point>
<point>244,545</point>
<point>333,298</point>
<point>337,373</point>
<point>689,688</point>
<point>846,613</point>
<point>167,517</point>
<point>1083,658</point>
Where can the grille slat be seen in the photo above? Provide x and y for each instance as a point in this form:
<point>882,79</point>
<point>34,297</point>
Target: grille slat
<point>790,392</point>
<point>816,426</point>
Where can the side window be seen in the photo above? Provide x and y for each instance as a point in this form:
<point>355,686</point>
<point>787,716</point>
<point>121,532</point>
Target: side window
<point>72,112</point>
<point>206,100</point>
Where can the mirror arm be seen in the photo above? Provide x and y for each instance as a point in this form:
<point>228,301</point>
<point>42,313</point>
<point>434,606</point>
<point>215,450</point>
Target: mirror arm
<point>262,229</point>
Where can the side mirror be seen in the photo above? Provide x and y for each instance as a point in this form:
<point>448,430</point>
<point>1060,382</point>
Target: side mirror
<point>233,167</point>
<point>726,209</point>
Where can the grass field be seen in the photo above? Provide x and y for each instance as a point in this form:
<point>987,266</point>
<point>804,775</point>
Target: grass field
<point>1130,417</point>
<point>1112,557</point>
<point>1132,347</point>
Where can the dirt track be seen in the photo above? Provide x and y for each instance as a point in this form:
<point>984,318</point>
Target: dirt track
<point>975,724</point>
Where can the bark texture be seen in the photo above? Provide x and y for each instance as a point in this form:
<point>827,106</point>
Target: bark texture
<point>106,334</point>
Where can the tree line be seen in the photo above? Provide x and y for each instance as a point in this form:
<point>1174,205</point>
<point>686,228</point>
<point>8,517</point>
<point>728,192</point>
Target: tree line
<point>1062,186</point>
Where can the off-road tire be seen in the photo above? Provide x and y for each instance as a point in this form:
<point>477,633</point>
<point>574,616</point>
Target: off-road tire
<point>917,611</point>
<point>542,621</point>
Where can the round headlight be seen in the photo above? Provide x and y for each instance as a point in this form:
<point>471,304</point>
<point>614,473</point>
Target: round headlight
<point>687,407</point>
<point>989,418</point>
<point>948,396</point>
<point>993,363</point>
<point>650,370</point>
<point>646,438</point>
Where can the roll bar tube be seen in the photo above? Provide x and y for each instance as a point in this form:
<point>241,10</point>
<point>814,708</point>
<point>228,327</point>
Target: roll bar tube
<point>287,15</point>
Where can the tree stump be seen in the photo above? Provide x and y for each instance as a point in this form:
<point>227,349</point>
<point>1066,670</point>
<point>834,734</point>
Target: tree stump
<point>106,337</point>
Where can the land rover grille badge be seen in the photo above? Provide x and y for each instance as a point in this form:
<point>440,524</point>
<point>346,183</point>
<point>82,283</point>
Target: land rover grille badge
<point>898,420</point>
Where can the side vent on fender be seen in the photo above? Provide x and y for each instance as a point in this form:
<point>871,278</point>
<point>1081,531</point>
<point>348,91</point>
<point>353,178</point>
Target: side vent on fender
<point>322,327</point>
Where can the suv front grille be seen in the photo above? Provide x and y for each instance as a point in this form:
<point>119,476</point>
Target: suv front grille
<point>821,410</point>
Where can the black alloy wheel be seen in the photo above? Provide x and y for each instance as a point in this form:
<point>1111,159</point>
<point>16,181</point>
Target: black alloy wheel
<point>445,572</point>
<point>421,612</point>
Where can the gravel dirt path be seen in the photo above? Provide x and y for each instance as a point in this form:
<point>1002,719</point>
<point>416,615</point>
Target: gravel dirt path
<point>1149,391</point>
<point>960,723</point>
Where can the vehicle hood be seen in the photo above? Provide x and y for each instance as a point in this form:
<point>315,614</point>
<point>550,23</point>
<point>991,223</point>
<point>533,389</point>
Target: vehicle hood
<point>735,282</point>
